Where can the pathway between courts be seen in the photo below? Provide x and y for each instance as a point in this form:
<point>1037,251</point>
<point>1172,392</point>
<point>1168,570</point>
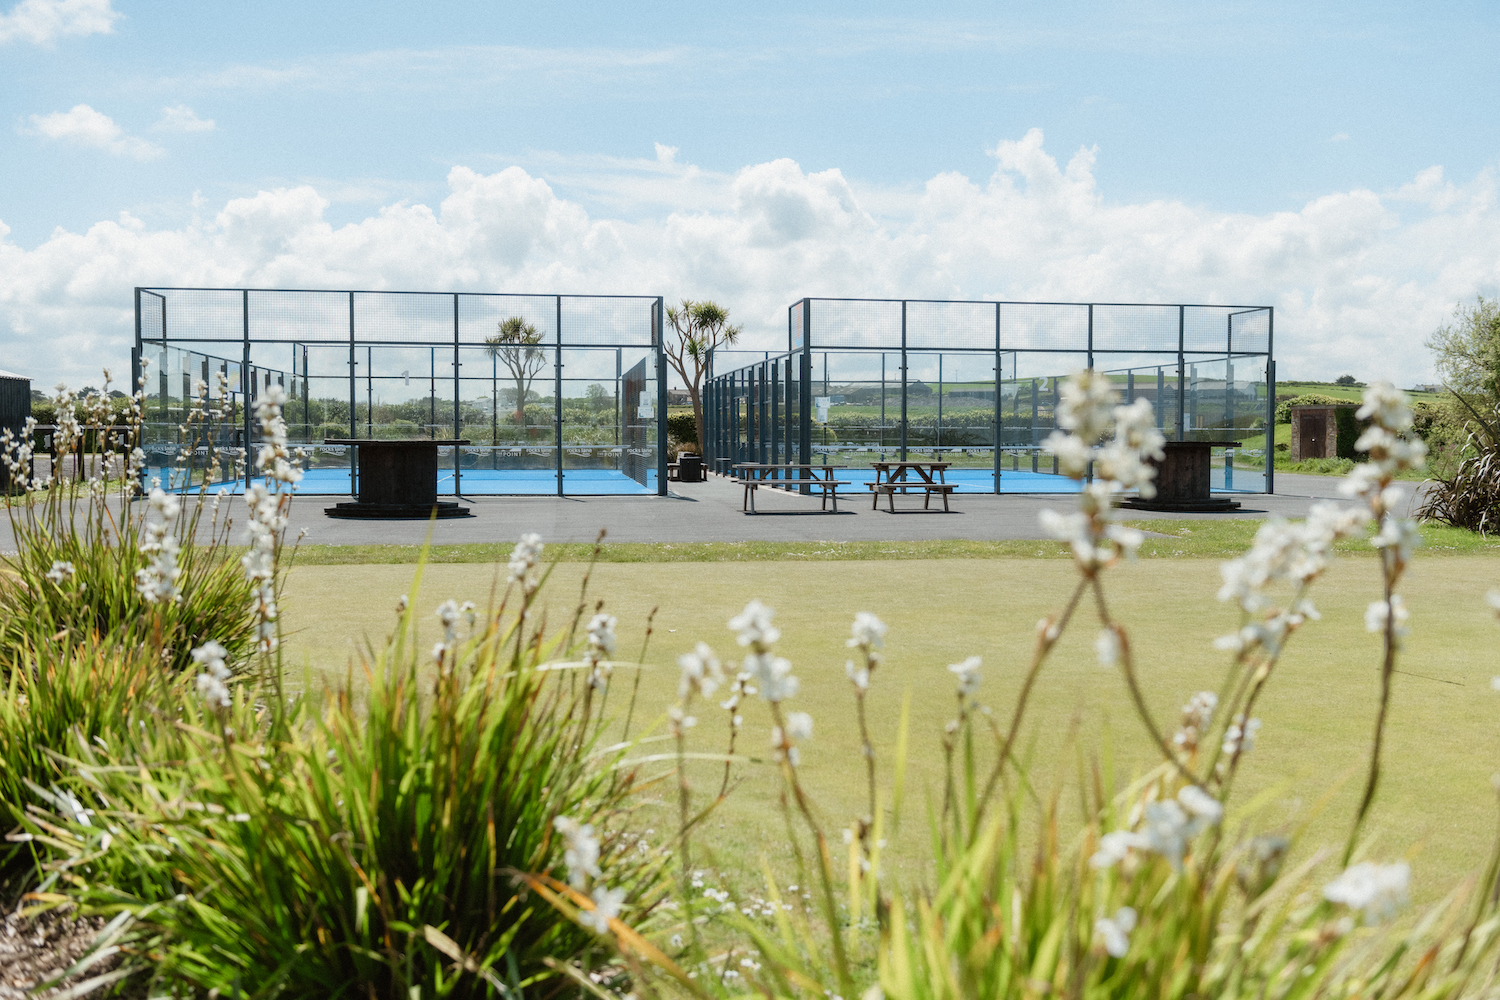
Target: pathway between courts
<point>710,512</point>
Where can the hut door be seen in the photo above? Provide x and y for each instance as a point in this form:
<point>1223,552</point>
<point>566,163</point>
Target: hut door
<point>1313,435</point>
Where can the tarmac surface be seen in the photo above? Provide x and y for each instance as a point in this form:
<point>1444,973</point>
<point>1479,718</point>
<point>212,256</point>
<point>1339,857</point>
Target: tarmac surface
<point>710,512</point>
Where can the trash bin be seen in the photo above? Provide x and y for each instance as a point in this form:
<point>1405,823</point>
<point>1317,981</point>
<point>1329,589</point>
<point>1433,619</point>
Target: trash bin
<point>690,468</point>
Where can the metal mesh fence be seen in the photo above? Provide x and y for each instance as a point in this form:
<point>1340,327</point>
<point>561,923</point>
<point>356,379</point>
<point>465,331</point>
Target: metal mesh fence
<point>540,413</point>
<point>976,385</point>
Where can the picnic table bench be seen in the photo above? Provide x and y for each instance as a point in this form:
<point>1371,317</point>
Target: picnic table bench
<point>753,475</point>
<point>891,478</point>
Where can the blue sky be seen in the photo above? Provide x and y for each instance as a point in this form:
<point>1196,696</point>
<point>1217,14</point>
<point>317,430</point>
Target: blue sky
<point>1270,152</point>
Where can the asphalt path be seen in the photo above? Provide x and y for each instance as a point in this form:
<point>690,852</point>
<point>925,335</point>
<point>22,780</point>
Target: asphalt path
<point>710,512</point>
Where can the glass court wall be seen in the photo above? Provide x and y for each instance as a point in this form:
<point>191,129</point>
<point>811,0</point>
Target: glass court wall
<point>976,384</point>
<point>556,394</point>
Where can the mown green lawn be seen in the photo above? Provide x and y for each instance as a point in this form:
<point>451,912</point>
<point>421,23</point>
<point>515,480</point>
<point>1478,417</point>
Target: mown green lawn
<point>1444,740</point>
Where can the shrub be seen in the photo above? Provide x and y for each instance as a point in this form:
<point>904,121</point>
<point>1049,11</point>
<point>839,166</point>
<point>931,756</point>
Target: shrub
<point>1443,431</point>
<point>1284,407</point>
<point>682,428</point>
<point>1467,495</point>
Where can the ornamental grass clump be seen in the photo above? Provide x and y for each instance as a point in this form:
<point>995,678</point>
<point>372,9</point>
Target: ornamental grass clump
<point>105,605</point>
<point>62,689</point>
<point>403,843</point>
<point>159,575</point>
<point>366,849</point>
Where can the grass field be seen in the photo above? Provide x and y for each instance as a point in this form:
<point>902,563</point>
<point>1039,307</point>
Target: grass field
<point>1165,539</point>
<point>1443,746</point>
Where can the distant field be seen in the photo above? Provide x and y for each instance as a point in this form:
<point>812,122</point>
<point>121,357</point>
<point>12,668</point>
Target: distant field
<point>1353,393</point>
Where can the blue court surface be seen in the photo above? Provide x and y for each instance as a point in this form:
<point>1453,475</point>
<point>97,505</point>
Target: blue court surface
<point>480,482</point>
<point>609,482</point>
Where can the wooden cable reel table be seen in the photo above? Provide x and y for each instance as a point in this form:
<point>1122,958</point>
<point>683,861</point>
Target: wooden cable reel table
<point>397,480</point>
<point>1184,480</point>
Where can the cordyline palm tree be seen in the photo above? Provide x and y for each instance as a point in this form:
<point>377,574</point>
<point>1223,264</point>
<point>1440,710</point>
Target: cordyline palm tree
<point>515,344</point>
<point>701,328</point>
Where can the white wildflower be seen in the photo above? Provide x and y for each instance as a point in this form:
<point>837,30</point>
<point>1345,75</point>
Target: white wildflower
<point>581,850</point>
<point>1379,613</point>
<point>607,905</point>
<point>1165,831</point>
<point>679,722</point>
<point>1086,405</point>
<point>701,672</point>
<point>1400,534</point>
<point>754,627</point>
<point>61,571</point>
<point>1073,454</point>
<point>772,675</point>
<point>1114,846</point>
<point>1107,645</point>
<point>1204,808</point>
<point>799,725</point>
<point>1197,716</point>
<point>273,460</point>
<point>523,558</point>
<point>1240,736</point>
<point>212,686</point>
<point>1127,539</point>
<point>1376,891</point>
<point>601,647</point>
<point>156,582</point>
<point>968,675</point>
<point>867,632</point>
<point>740,688</point>
<point>1114,931</point>
<point>448,613</point>
<point>858,674</point>
<point>1385,406</point>
<point>1171,825</point>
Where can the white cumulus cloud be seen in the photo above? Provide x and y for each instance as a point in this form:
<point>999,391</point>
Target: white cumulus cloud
<point>41,22</point>
<point>87,127</point>
<point>182,118</point>
<point>1358,278</point>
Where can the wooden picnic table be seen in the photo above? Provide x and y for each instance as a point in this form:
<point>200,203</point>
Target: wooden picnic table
<point>891,477</point>
<point>753,475</point>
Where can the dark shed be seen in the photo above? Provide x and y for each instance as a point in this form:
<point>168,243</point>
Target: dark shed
<point>15,407</point>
